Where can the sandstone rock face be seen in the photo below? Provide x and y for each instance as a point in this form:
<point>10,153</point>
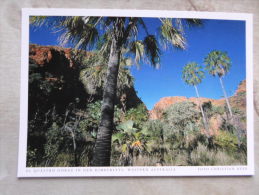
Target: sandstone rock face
<point>238,100</point>
<point>165,102</point>
<point>58,66</point>
<point>53,79</point>
<point>241,88</point>
<point>43,55</point>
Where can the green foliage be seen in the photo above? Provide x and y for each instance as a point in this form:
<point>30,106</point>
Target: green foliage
<point>226,141</point>
<point>32,158</point>
<point>182,117</point>
<point>128,143</point>
<point>54,139</point>
<point>171,35</point>
<point>67,142</point>
<point>226,125</point>
<point>218,110</point>
<point>138,48</point>
<point>217,63</point>
<point>91,122</point>
<point>153,128</point>
<point>63,132</point>
<point>207,107</point>
<point>201,156</point>
<point>192,74</point>
<point>157,144</point>
<point>93,74</point>
<point>39,85</point>
<point>127,126</point>
<point>139,115</point>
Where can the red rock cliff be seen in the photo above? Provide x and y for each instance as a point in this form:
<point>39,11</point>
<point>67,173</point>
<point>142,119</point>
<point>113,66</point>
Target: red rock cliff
<point>238,100</point>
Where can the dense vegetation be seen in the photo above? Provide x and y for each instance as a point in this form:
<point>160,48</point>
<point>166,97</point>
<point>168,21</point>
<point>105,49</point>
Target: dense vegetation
<point>65,111</point>
<point>116,39</point>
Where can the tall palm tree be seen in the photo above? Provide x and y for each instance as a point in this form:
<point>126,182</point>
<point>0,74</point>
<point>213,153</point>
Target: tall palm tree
<point>117,34</point>
<point>218,64</point>
<point>193,75</point>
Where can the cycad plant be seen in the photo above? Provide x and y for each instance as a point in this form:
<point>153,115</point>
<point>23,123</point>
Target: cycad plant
<point>218,64</point>
<point>129,141</point>
<point>193,75</point>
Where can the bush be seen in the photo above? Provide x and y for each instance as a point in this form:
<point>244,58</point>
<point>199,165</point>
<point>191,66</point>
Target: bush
<point>227,126</point>
<point>181,124</point>
<point>182,117</point>
<point>226,141</point>
<point>218,110</point>
<point>139,115</point>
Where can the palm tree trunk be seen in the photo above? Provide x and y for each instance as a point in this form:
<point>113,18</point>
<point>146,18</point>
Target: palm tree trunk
<point>162,160</point>
<point>205,122</point>
<point>102,150</point>
<point>226,97</point>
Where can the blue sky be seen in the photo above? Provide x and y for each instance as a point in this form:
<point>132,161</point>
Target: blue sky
<point>153,84</point>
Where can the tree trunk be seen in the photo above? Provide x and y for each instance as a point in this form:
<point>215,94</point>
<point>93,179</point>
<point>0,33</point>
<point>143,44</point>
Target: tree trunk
<point>102,150</point>
<point>205,122</point>
<point>226,97</point>
<point>162,149</point>
<point>232,119</point>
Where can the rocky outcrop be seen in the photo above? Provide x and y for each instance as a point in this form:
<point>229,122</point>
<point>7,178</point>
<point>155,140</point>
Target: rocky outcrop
<point>165,102</point>
<point>44,55</point>
<point>241,88</point>
<point>238,101</point>
<point>54,80</point>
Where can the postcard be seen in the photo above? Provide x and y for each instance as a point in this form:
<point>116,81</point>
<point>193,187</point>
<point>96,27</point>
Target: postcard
<point>135,93</point>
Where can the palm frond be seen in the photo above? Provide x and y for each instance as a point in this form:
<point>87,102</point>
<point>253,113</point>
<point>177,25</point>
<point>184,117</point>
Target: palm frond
<point>217,63</point>
<point>38,20</point>
<point>152,50</point>
<point>171,35</point>
<point>79,31</point>
<point>137,48</point>
<point>194,22</point>
<point>192,73</point>
<point>131,29</point>
<point>143,25</point>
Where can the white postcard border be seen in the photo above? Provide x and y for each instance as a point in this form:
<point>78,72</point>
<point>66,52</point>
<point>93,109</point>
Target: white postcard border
<point>24,171</point>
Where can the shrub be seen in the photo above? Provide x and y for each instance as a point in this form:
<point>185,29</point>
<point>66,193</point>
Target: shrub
<point>218,110</point>
<point>227,126</point>
<point>226,141</point>
<point>182,117</point>
<point>181,124</point>
<point>208,108</point>
<point>128,144</point>
<point>31,157</point>
<point>139,115</point>
<point>54,139</point>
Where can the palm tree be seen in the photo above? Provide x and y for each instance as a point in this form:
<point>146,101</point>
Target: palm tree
<point>193,75</point>
<point>218,64</point>
<point>119,35</point>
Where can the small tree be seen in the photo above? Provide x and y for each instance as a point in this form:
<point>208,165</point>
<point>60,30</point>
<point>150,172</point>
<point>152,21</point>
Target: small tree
<point>181,122</point>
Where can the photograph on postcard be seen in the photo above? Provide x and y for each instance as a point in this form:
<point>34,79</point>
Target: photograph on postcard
<point>135,91</point>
